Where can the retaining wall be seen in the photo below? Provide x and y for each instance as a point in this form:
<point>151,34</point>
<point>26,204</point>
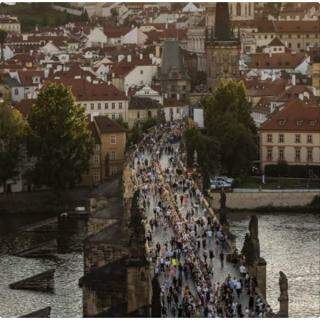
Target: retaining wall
<point>252,200</point>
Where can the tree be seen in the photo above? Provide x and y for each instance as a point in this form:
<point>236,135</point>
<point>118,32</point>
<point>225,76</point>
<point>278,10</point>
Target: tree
<point>3,37</point>
<point>59,139</point>
<point>228,121</point>
<point>208,151</point>
<point>12,133</point>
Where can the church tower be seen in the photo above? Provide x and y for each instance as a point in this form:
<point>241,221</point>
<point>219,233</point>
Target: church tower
<point>222,48</point>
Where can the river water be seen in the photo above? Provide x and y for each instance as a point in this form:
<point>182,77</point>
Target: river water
<point>289,243</point>
<point>66,301</point>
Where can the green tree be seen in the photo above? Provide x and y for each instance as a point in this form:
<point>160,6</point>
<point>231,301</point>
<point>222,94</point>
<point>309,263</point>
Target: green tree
<point>13,130</point>
<point>60,139</point>
<point>228,121</point>
<point>208,153</point>
<point>3,37</point>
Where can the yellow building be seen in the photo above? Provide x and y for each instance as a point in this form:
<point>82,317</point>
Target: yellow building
<point>292,135</point>
<point>113,144</point>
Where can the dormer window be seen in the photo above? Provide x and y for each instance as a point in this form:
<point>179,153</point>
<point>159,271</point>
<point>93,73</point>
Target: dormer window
<point>312,123</point>
<point>299,123</point>
<point>281,122</point>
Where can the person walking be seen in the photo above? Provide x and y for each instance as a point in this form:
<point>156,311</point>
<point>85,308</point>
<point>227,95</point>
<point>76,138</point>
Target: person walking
<point>222,259</point>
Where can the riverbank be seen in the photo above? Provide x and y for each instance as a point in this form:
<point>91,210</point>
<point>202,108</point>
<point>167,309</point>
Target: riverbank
<point>269,200</point>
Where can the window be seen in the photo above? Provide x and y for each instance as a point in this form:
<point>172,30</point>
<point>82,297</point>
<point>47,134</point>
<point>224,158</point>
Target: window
<point>281,154</point>
<point>141,71</point>
<point>106,106</point>
<point>178,110</point>
<point>298,45</point>
<point>16,91</point>
<point>113,155</point>
<point>309,154</point>
<point>281,138</point>
<point>269,138</point>
<point>297,154</point>
<point>99,106</point>
<point>289,45</point>
<point>113,116</point>
<point>298,138</point>
<point>92,106</point>
<point>269,154</point>
<point>120,105</point>
<point>113,105</point>
<point>138,115</point>
<point>96,159</point>
<point>113,140</point>
<point>309,138</point>
<point>85,105</point>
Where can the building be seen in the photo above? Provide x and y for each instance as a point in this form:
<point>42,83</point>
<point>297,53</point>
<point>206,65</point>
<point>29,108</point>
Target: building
<point>10,24</point>
<point>315,74</point>
<point>24,84</point>
<point>291,134</point>
<point>98,98</point>
<point>241,10</point>
<point>296,35</point>
<point>174,78</point>
<point>175,109</point>
<point>134,70</point>
<point>141,109</point>
<point>222,49</point>
<point>113,144</point>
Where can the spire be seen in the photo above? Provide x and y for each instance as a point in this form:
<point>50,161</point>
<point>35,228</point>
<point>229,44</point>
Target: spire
<point>222,22</point>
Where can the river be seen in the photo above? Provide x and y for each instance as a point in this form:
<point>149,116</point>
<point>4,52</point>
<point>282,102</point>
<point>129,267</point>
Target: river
<point>289,243</point>
<point>66,301</point>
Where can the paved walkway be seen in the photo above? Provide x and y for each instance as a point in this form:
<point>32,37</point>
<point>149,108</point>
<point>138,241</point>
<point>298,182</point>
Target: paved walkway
<point>181,236</point>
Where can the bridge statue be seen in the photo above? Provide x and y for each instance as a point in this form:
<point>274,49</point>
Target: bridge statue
<point>223,208</point>
<point>283,299</point>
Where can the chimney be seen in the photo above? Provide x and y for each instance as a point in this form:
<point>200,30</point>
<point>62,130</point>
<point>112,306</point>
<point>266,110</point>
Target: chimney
<point>293,79</point>
<point>109,83</point>
<point>129,58</point>
<point>119,58</point>
<point>178,96</point>
<point>141,56</point>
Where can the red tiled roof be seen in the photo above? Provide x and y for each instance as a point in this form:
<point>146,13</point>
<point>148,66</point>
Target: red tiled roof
<point>112,31</point>
<point>89,91</point>
<point>265,88</point>
<point>294,116</point>
<point>285,60</point>
<point>288,26</point>
<point>124,67</point>
<point>275,42</point>
<point>24,106</point>
<point>26,76</point>
<point>106,125</point>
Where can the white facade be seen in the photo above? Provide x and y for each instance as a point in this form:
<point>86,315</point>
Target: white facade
<point>147,92</point>
<point>114,109</point>
<point>134,36</point>
<point>7,53</point>
<point>140,75</point>
<point>198,117</point>
<point>50,49</point>
<point>173,113</point>
<point>96,37</point>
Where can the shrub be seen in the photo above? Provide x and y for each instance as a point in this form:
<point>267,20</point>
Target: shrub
<point>292,171</point>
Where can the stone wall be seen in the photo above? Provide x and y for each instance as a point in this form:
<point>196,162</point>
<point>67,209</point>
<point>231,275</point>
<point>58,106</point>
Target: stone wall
<point>252,200</point>
<point>100,254</point>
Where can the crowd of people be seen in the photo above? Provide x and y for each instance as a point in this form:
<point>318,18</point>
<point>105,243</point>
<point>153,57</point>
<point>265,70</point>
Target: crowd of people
<point>186,244</point>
